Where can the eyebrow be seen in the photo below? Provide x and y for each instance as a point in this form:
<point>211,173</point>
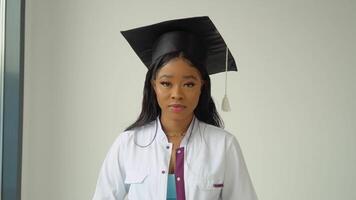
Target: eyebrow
<point>185,77</point>
<point>190,77</point>
<point>165,76</point>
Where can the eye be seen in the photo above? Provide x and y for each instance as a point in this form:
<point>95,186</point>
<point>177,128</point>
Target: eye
<point>189,85</point>
<point>165,83</point>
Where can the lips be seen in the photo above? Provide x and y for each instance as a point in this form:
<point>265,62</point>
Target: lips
<point>176,107</point>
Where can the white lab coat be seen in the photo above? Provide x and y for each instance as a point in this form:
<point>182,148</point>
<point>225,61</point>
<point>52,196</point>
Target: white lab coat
<point>212,157</point>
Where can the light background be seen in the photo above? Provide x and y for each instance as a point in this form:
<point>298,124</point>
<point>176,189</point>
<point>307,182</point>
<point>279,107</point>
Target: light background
<point>293,99</point>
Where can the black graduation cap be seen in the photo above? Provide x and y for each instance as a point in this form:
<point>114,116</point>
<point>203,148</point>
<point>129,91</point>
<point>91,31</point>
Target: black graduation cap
<point>196,36</point>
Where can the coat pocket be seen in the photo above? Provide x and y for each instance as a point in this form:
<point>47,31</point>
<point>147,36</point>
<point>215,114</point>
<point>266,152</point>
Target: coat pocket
<point>208,189</point>
<point>135,177</point>
<point>210,184</point>
<point>137,184</point>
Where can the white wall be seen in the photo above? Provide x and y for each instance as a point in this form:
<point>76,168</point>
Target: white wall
<point>292,100</point>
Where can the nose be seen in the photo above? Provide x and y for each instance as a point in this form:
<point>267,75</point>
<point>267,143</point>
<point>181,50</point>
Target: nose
<point>177,93</point>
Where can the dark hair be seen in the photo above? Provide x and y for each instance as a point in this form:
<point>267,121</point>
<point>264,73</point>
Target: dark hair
<point>205,110</point>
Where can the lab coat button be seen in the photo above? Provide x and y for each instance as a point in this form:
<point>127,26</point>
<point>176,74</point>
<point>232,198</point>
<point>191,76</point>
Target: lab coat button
<point>163,172</point>
<point>167,147</point>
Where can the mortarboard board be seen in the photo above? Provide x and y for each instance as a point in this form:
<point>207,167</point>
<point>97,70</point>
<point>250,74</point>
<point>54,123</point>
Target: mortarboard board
<point>196,36</point>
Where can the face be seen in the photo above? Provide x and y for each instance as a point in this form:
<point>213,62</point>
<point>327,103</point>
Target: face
<point>178,87</point>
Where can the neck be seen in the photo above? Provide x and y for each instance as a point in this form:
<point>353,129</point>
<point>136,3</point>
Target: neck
<point>173,127</point>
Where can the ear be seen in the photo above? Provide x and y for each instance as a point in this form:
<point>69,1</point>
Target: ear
<point>202,84</point>
<point>153,84</point>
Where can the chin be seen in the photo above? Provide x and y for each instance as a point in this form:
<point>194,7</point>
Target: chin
<point>178,116</point>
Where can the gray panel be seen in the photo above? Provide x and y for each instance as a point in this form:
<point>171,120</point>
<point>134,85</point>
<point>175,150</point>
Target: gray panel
<point>12,100</point>
<point>2,29</point>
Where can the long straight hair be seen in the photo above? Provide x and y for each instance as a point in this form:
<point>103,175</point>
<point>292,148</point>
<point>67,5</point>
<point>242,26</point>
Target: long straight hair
<point>205,110</point>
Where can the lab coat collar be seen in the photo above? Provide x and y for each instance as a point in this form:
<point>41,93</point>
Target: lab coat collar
<point>191,129</point>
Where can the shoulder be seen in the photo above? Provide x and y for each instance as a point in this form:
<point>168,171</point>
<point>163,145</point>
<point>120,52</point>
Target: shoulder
<point>138,133</point>
<point>215,135</point>
<point>215,132</point>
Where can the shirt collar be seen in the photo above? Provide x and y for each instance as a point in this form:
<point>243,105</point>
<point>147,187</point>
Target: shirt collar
<point>191,129</point>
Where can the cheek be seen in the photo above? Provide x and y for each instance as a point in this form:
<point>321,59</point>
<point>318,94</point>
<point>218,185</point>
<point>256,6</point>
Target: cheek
<point>161,96</point>
<point>195,98</point>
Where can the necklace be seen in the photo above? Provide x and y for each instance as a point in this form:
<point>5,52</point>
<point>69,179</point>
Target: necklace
<point>154,137</point>
<point>176,135</point>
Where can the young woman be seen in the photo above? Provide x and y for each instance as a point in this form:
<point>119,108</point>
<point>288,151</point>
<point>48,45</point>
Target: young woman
<point>177,148</point>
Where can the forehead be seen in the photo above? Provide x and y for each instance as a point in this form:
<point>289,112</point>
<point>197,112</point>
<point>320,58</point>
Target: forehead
<point>178,67</point>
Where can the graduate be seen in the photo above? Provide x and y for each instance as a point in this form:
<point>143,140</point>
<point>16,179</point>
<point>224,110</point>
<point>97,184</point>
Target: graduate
<point>177,149</point>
